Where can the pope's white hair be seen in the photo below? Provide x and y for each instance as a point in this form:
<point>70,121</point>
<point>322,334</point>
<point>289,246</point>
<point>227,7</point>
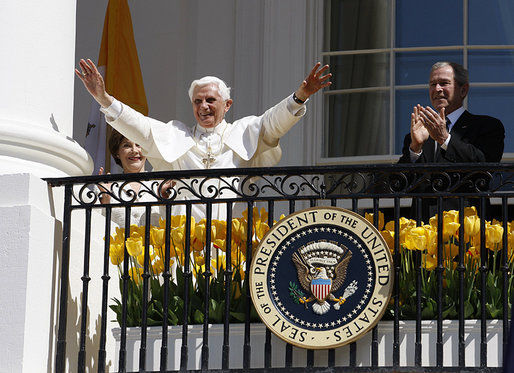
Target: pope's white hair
<point>223,89</point>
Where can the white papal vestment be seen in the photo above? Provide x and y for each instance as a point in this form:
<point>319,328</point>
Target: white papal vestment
<point>252,141</point>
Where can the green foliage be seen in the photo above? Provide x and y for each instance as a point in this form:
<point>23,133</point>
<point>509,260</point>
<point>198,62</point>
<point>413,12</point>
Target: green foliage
<point>410,265</point>
<point>216,301</point>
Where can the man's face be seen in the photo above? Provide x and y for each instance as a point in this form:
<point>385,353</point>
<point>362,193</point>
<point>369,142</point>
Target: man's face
<point>444,91</point>
<point>209,107</point>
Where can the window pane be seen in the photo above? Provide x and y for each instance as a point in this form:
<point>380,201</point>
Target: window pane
<point>496,102</point>
<point>359,71</point>
<point>491,66</point>
<point>428,23</point>
<point>414,67</point>
<point>491,22</point>
<point>359,24</point>
<point>405,101</point>
<point>358,124</point>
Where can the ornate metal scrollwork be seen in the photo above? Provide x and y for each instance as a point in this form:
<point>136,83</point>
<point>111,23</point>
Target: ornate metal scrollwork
<point>314,182</point>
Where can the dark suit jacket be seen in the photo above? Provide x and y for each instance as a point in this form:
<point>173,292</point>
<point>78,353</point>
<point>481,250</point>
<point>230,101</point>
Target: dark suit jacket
<point>474,138</point>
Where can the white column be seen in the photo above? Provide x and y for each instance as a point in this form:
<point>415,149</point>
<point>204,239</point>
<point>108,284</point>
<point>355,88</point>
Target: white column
<point>36,69</point>
<point>36,141</point>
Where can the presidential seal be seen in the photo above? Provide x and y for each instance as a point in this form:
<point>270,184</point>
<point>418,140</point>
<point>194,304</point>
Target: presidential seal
<point>321,277</point>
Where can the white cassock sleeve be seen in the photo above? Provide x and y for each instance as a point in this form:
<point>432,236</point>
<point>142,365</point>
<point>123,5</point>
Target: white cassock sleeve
<point>160,141</point>
<point>256,139</point>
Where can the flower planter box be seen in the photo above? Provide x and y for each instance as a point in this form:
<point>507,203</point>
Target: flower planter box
<point>342,356</point>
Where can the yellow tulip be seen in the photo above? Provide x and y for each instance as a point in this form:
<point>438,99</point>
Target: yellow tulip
<point>137,231</point>
<point>510,238</point>
<point>493,235</point>
<point>200,232</point>
<point>199,260</point>
<point>177,252</point>
<point>255,214</point>
<point>177,220</point>
<point>450,229</point>
<point>157,238</point>
<point>389,226</point>
<point>450,224</point>
<point>416,239</point>
<point>141,257</point>
<point>177,235</point>
<point>389,239</point>
<point>193,227</point>
<point>370,217</point>
<point>264,215</point>
<point>261,229</point>
<point>431,240</point>
<point>239,229</point>
<point>158,266</point>
<point>405,226</point>
<point>429,262</point>
<point>134,246</point>
<point>451,215</point>
<point>220,244</point>
<point>470,211</point>
<point>116,253</point>
<point>198,245</point>
<point>221,229</point>
<point>119,237</point>
<point>474,252</point>
<point>471,225</point>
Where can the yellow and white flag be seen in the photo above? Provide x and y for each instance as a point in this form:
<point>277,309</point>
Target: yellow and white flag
<point>119,65</point>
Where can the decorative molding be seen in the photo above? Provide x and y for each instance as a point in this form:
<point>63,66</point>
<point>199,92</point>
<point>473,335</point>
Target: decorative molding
<point>41,151</point>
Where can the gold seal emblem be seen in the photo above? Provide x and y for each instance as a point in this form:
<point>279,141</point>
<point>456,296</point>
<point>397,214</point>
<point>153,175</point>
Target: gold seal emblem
<point>321,277</point>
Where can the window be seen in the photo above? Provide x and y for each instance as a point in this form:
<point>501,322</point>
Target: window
<point>380,53</point>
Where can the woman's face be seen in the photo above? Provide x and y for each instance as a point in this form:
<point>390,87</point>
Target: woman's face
<point>132,160</point>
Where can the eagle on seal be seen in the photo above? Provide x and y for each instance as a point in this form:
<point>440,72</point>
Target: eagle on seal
<point>321,268</point>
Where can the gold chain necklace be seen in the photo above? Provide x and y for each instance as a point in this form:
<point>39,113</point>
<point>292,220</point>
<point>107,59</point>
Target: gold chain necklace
<point>209,158</point>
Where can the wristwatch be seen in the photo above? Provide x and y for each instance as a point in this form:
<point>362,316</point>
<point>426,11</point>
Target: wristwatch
<point>297,100</point>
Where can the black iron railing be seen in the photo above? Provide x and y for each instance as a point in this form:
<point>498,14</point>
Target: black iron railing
<point>417,192</point>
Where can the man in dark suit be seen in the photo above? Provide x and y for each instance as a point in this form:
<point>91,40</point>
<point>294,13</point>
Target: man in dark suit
<point>447,133</point>
<point>468,138</point>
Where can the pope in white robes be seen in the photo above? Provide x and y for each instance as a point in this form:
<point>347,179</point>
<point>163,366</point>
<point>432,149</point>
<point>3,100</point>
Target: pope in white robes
<point>252,141</point>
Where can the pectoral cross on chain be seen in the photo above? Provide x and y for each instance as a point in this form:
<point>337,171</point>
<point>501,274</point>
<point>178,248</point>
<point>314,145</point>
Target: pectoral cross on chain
<point>208,160</point>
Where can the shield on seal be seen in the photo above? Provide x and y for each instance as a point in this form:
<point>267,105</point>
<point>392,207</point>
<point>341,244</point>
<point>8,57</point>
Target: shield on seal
<point>320,288</point>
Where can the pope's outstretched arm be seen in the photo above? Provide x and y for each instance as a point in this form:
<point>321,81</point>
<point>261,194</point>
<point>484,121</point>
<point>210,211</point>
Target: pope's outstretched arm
<point>93,82</point>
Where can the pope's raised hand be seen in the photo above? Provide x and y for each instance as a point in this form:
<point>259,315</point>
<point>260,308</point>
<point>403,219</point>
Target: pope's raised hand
<point>314,82</point>
<point>93,81</point>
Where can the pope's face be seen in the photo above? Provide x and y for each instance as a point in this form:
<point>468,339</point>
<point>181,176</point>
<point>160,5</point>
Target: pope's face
<point>444,91</point>
<point>209,107</point>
